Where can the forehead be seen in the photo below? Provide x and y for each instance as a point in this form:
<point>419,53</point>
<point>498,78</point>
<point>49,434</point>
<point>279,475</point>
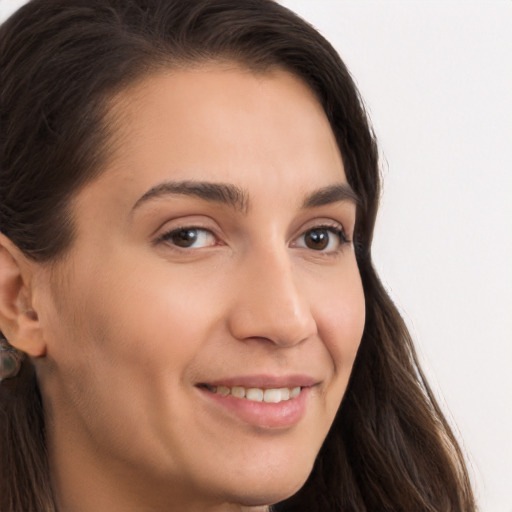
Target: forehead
<point>263,132</point>
<point>222,113</point>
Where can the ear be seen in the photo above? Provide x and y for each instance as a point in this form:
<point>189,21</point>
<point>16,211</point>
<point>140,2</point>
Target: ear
<point>19,322</point>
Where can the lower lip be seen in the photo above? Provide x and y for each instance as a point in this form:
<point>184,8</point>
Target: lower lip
<point>284,414</point>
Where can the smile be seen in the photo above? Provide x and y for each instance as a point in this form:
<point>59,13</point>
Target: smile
<point>261,400</point>
<point>269,395</point>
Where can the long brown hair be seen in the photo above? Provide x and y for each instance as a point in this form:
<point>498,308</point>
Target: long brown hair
<point>389,448</point>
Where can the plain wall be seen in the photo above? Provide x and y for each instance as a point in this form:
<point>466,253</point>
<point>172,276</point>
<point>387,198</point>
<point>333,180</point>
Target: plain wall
<point>437,80</point>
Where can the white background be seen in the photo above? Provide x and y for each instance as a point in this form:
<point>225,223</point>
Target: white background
<point>437,79</point>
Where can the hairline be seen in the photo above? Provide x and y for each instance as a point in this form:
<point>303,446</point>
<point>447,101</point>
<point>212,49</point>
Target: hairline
<point>112,108</point>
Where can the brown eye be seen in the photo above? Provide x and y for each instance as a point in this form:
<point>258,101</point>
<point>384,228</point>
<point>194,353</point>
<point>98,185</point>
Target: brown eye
<point>322,238</point>
<point>317,239</point>
<point>184,237</point>
<point>189,238</point>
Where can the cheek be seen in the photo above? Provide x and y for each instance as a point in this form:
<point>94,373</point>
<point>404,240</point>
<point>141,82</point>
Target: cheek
<point>121,343</point>
<point>341,318</point>
<point>126,317</point>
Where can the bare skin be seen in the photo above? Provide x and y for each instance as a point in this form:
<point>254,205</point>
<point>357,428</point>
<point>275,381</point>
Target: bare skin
<point>206,257</point>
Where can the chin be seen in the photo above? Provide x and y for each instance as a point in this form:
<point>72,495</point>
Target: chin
<point>270,488</point>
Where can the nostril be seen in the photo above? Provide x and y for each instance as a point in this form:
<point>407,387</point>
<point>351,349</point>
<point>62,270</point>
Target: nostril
<point>270,303</point>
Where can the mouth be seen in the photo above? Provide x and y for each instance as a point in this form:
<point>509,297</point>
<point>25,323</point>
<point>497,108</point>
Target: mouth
<point>267,395</point>
<point>260,401</point>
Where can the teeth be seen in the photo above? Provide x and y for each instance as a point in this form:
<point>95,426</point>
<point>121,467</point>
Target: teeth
<point>254,394</point>
<point>294,392</point>
<point>272,395</point>
<point>285,393</point>
<point>238,391</point>
<point>223,390</point>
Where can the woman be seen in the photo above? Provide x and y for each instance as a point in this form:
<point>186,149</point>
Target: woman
<point>188,195</point>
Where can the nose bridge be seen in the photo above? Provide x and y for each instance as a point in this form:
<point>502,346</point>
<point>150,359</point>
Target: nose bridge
<point>270,303</point>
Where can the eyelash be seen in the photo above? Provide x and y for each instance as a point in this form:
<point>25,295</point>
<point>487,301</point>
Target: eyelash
<point>335,229</point>
<point>167,237</point>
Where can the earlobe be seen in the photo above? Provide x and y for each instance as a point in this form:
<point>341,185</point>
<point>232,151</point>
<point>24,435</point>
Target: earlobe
<point>19,321</point>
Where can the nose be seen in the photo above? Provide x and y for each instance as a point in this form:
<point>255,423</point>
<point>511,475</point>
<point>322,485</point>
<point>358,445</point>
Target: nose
<point>269,304</point>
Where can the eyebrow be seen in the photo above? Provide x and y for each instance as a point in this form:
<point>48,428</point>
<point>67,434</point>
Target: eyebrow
<point>237,198</point>
<point>331,194</point>
<point>224,193</point>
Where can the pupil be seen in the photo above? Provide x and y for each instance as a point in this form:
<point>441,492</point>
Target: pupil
<point>317,239</point>
<point>184,237</point>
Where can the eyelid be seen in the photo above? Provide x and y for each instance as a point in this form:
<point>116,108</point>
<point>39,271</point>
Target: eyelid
<point>325,223</point>
<point>164,233</point>
<point>166,238</point>
<point>198,222</point>
<point>330,225</point>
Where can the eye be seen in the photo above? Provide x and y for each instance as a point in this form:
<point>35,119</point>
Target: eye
<point>322,238</point>
<point>189,238</point>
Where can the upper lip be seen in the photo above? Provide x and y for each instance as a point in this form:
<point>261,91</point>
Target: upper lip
<point>265,381</point>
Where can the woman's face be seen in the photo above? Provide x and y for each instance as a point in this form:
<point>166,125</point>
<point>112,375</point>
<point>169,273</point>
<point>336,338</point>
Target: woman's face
<point>212,259</point>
